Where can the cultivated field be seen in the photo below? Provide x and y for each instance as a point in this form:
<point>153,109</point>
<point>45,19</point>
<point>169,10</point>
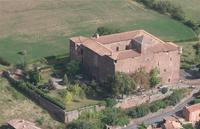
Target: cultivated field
<point>42,27</point>
<point>15,105</point>
<point>191,8</point>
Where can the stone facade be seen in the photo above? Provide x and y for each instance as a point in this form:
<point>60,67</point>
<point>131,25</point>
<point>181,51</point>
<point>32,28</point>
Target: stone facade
<point>192,113</point>
<point>126,52</point>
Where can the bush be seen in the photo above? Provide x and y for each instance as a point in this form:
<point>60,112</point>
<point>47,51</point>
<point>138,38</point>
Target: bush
<point>164,90</point>
<point>4,62</point>
<point>80,124</point>
<point>110,102</point>
<point>139,111</point>
<point>114,116</point>
<point>73,67</point>
<point>106,31</point>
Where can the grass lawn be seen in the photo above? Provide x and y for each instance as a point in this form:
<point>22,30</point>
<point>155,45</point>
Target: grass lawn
<point>15,105</point>
<point>191,8</point>
<point>42,28</point>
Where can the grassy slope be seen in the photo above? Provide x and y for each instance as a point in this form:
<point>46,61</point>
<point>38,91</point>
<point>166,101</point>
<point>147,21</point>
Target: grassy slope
<point>191,8</point>
<point>43,27</point>
<point>15,105</point>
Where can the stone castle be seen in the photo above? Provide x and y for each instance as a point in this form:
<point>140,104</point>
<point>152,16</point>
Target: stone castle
<point>126,52</point>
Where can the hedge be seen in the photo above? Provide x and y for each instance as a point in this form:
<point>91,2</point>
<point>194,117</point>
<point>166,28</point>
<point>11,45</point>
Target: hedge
<point>27,87</point>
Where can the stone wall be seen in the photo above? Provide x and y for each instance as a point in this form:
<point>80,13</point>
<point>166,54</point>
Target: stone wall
<point>73,115</point>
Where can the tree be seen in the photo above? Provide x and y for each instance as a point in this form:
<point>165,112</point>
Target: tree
<point>68,97</point>
<point>80,124</point>
<point>114,116</point>
<point>110,102</point>
<point>34,76</point>
<point>141,78</point>
<point>76,91</point>
<point>122,84</point>
<point>65,80</point>
<point>73,67</point>
<point>188,126</point>
<point>154,79</point>
<point>106,31</point>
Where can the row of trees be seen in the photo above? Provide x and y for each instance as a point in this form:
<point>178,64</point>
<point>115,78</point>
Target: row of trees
<point>166,7</point>
<point>123,84</point>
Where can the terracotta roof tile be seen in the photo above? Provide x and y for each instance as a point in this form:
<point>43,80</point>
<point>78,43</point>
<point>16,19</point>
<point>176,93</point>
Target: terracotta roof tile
<point>193,108</point>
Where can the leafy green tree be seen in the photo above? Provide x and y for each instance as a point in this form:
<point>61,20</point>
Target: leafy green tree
<point>154,79</point>
<point>73,67</point>
<point>68,97</point>
<point>65,80</point>
<point>76,91</point>
<point>114,116</point>
<point>34,76</point>
<point>188,126</point>
<point>106,30</point>
<point>110,102</point>
<point>81,124</point>
<point>122,84</point>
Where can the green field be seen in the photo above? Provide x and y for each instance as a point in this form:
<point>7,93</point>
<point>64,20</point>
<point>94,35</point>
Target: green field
<point>191,8</point>
<point>42,28</point>
<point>14,105</point>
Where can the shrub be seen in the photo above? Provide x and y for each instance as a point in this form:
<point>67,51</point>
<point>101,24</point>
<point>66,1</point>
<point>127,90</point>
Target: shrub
<point>164,90</point>
<point>110,102</point>
<point>139,111</point>
<point>154,79</point>
<point>114,116</point>
<point>73,67</point>
<point>80,124</point>
<point>106,31</point>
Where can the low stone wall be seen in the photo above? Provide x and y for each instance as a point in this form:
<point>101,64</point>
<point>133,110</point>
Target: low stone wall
<point>73,115</point>
<point>55,111</point>
<point>135,100</point>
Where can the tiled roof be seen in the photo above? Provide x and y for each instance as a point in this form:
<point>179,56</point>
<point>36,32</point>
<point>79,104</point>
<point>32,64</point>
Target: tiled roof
<point>193,108</point>
<point>106,39</point>
<point>98,45</point>
<point>22,124</point>
<point>125,54</point>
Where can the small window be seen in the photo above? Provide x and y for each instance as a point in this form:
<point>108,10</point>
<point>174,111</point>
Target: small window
<point>170,59</point>
<point>169,80</point>
<point>117,48</point>
<point>165,70</point>
<point>115,61</point>
<point>158,63</point>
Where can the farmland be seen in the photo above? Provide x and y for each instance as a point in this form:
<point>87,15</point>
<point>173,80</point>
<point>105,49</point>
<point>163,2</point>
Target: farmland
<point>42,28</point>
<point>14,105</point>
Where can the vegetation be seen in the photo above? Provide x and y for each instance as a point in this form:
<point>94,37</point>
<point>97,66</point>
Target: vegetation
<point>16,105</point>
<point>188,126</point>
<point>143,110</point>
<point>73,67</point>
<point>34,76</point>
<point>106,31</point>
<point>122,84</point>
<point>142,126</point>
<point>154,78</point>
<point>141,78</point>
<point>98,120</point>
<point>169,8</point>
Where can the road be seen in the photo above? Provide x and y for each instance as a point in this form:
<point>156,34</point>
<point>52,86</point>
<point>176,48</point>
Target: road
<point>159,117</point>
